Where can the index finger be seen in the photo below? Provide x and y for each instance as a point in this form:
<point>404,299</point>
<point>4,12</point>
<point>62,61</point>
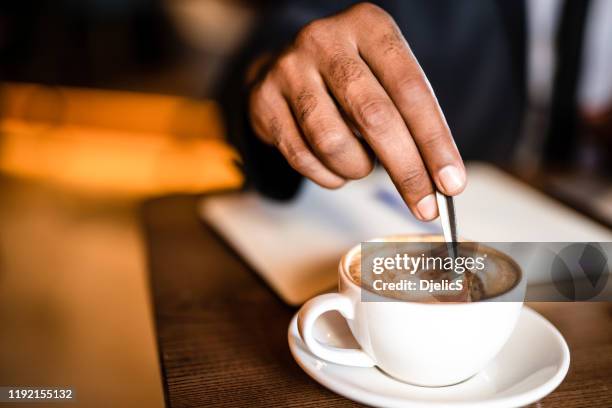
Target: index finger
<point>391,60</point>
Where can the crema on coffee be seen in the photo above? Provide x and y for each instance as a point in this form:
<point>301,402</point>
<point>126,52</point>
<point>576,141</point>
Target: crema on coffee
<point>424,272</point>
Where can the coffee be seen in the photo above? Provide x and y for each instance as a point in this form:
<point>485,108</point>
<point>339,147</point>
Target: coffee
<point>489,274</point>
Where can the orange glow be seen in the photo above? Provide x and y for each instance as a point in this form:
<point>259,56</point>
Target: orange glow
<point>109,141</point>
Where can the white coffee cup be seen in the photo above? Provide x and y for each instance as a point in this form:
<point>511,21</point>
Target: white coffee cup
<point>427,344</point>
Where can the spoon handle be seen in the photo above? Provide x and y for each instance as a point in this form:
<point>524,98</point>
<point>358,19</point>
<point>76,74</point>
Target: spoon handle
<point>446,207</point>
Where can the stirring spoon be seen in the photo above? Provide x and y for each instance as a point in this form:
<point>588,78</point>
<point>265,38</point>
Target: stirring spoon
<point>446,208</point>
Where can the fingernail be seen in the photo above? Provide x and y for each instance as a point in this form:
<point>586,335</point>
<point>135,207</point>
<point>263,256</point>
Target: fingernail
<point>452,179</point>
<point>427,208</point>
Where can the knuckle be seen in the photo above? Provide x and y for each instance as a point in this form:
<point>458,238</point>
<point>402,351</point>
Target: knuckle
<point>278,143</point>
<point>305,103</point>
<point>434,139</point>
<point>286,64</point>
<point>414,180</point>
<point>344,69</point>
<point>392,43</point>
<point>374,114</point>
<point>340,153</point>
<point>275,131</point>
<point>331,143</point>
<point>260,110</point>
<point>415,85</point>
<point>268,130</point>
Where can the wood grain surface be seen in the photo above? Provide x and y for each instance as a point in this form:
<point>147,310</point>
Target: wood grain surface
<point>222,333</point>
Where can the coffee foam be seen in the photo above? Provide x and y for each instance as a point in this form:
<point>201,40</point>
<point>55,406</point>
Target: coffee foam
<point>501,274</point>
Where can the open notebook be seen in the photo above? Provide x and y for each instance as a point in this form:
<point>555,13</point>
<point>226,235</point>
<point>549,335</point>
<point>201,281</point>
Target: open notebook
<point>296,246</point>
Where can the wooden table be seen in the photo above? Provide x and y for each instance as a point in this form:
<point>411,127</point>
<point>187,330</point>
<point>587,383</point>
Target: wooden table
<point>222,333</point>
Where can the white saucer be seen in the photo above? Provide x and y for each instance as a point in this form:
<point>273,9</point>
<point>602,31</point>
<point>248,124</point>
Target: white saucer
<point>530,366</point>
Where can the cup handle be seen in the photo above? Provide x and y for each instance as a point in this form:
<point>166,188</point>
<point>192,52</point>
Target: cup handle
<point>308,315</point>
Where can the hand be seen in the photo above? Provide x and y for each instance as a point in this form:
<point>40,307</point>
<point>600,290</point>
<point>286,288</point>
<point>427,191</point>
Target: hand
<point>355,71</point>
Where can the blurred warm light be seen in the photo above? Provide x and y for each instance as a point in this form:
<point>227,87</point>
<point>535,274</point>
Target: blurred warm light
<point>211,25</point>
<point>110,141</point>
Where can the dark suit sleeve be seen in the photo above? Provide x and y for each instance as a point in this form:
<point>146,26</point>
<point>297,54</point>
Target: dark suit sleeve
<point>264,167</point>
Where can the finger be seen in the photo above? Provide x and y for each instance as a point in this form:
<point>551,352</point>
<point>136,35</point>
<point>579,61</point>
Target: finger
<point>370,108</point>
<point>393,63</point>
<point>329,136</point>
<point>274,123</point>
